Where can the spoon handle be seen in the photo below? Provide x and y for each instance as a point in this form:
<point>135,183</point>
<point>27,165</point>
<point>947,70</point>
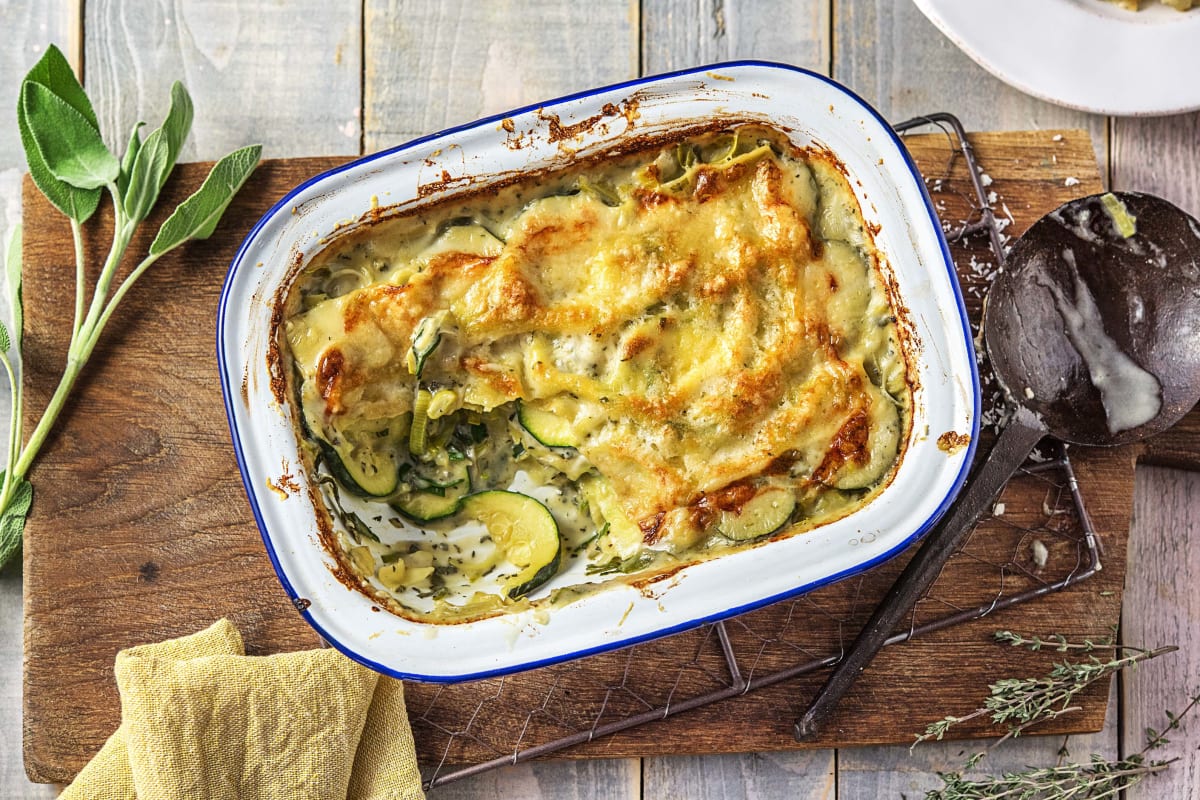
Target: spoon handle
<point>1010,451</point>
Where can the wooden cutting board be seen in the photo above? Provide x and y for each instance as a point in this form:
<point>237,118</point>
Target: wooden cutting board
<point>141,531</point>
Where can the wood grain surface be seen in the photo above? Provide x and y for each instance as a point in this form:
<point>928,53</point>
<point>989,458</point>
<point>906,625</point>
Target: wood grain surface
<point>1162,604</point>
<point>883,50</point>
<point>160,539</point>
<point>576,46</point>
<point>300,65</point>
<point>27,26</point>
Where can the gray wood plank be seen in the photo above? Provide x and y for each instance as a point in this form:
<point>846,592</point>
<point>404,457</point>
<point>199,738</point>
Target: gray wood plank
<point>800,775</point>
<point>284,74</point>
<point>873,772</point>
<point>28,28</point>
<point>13,782</point>
<point>1159,155</point>
<point>433,64</point>
<point>1162,606</point>
<point>618,779</point>
<point>677,34</point>
<point>898,61</point>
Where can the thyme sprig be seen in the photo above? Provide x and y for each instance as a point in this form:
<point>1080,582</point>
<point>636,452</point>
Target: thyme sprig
<point>1097,778</point>
<point>1019,703</point>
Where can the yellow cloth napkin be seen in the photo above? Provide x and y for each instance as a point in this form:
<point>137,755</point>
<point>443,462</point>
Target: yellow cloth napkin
<point>200,719</point>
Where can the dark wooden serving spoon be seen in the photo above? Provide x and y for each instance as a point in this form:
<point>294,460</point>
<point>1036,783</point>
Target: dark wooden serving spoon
<point>1093,330</point>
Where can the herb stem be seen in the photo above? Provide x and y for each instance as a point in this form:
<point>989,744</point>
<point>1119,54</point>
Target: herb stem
<point>53,408</point>
<point>122,233</point>
<point>83,339</point>
<point>94,333</point>
<point>80,275</point>
<point>14,432</point>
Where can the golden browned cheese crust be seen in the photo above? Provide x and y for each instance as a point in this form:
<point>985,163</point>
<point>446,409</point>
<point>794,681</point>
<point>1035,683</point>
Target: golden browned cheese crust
<point>723,329</point>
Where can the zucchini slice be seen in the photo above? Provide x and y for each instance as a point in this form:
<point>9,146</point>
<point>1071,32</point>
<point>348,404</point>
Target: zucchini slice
<point>763,514</point>
<point>524,530</point>
<point>433,494</point>
<point>884,445</point>
<point>546,426</point>
<point>364,460</point>
<point>426,338</point>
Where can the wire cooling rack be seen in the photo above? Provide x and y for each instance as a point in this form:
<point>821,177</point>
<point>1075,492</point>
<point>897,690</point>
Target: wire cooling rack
<point>1028,550</point>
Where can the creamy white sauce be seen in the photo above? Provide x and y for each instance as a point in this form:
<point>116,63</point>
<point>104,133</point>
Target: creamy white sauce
<point>1080,226</point>
<point>1137,309</point>
<point>1131,395</point>
<point>578,354</point>
<point>1195,230</point>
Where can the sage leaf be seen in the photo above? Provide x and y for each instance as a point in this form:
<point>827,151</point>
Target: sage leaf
<point>149,163</point>
<point>54,71</point>
<point>71,148</point>
<point>135,144</point>
<point>12,521</point>
<point>12,274</point>
<point>155,159</point>
<point>179,120</point>
<point>197,216</point>
<point>78,204</point>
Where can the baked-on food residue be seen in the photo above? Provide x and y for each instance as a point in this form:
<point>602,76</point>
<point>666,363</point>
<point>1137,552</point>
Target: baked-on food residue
<point>952,442</point>
<point>601,374</point>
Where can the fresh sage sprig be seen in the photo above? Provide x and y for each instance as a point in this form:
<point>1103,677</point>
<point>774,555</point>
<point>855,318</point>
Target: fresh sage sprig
<point>73,167</point>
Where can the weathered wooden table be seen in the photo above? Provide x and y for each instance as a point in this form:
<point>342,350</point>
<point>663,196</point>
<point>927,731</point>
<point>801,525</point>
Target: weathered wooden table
<point>340,77</point>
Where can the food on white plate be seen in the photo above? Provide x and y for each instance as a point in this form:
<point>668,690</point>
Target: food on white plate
<point>603,373</point>
<point>1136,5</point>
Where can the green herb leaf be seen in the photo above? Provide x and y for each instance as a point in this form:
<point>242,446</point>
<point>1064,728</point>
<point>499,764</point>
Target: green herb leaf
<point>71,148</point>
<point>197,217</point>
<point>156,157</point>
<point>12,274</point>
<point>135,144</point>
<point>78,204</point>
<point>178,121</point>
<point>12,521</point>
<point>150,162</point>
<point>54,72</point>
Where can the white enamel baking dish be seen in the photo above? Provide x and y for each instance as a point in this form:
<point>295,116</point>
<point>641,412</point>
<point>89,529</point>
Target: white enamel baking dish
<point>813,110</point>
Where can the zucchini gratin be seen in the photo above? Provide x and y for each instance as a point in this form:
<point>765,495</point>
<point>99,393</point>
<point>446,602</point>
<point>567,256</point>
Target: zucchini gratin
<point>598,374</point>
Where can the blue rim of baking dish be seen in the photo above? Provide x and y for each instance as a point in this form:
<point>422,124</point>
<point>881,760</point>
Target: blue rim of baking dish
<point>921,530</point>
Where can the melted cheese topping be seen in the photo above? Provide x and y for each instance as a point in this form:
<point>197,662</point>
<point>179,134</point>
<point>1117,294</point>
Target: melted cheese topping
<point>701,337</point>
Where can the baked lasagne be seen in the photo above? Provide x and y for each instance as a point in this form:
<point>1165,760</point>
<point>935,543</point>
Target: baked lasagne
<point>599,374</point>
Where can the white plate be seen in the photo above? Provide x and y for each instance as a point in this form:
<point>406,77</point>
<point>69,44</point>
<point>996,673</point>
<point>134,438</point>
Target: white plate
<point>815,111</point>
<point>1086,54</point>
